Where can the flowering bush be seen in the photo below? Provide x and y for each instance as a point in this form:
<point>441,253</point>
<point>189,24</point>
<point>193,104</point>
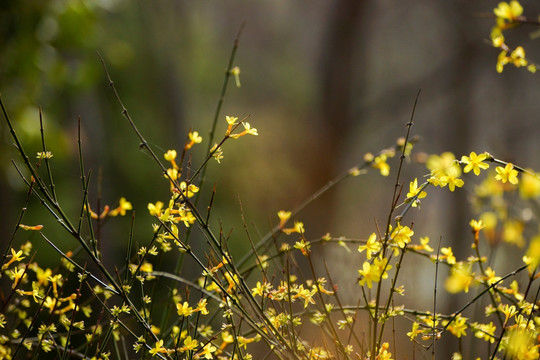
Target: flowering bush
<point>266,304</point>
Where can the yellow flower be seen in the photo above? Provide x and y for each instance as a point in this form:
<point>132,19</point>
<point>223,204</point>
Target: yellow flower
<point>508,12</point>
<point>298,228</point>
<point>122,208</point>
<point>283,216</point>
<point>207,351</point>
<point>217,153</point>
<point>507,173</point>
<point>513,232</point>
<point>373,272</point>
<point>235,71</point>
<point>486,332</point>
<point>380,163</point>
<point>453,182</point>
<point>170,155</point>
<point>415,191</point>
<point>194,138</point>
<point>443,165</point>
<point>372,246</point>
<point>401,236</point>
<point>15,256</point>
<point>184,309</point>
<point>155,209</point>
<point>190,344</point>
<point>502,60</point>
<point>158,348</point>
<point>147,267</point>
<point>231,120</point>
<point>529,186</point>
<point>474,162</point>
<point>460,278</point>
<point>448,254</point>
<point>458,327</point>
<point>44,155</point>
<point>188,190</point>
<point>518,57</point>
<point>249,129</point>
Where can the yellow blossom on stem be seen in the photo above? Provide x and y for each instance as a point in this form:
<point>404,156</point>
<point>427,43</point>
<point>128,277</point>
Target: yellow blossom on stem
<point>486,332</point>
<point>184,309</point>
<point>298,228</point>
<point>231,121</point>
<point>304,246</point>
<point>507,173</point>
<point>170,156</point>
<point>158,348</point>
<point>476,226</point>
<point>190,344</point>
<point>15,256</point>
<point>529,186</point>
<point>415,191</point>
<point>513,232</point>
<point>458,327</point>
<point>448,254</point>
<point>207,351</point>
<point>374,272</point>
<point>474,162</point>
<point>453,182</point>
<point>380,163</point>
<point>217,153</point>
<point>443,165</point>
<point>247,130</point>
<point>235,71</point>
<point>188,190</point>
<point>460,278</point>
<point>122,208</point>
<point>508,12</point>
<point>155,209</point>
<point>401,236</point>
<point>518,57</point>
<point>283,216</point>
<point>372,246</point>
<point>194,138</point>
<point>44,155</point>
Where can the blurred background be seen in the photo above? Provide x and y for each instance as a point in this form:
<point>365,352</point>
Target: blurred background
<point>324,82</point>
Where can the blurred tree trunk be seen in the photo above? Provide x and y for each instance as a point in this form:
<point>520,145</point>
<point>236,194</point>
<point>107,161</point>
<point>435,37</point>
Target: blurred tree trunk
<point>337,64</point>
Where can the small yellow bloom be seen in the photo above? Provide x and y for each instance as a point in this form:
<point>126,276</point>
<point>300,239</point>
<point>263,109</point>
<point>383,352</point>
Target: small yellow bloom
<point>298,228</point>
<point>184,309</point>
<point>518,57</point>
<point>372,246</point>
<point>170,155</point>
<point>474,162</point>
<point>415,191</point>
<point>158,348</point>
<point>380,163</point>
<point>44,155</point>
<point>194,138</point>
<point>507,173</point>
<point>190,344</point>
<point>155,209</point>
<point>284,216</point>
<point>460,278</point>
<point>401,236</point>
<point>122,208</point>
<point>235,71</point>
<point>529,186</point>
<point>508,11</point>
